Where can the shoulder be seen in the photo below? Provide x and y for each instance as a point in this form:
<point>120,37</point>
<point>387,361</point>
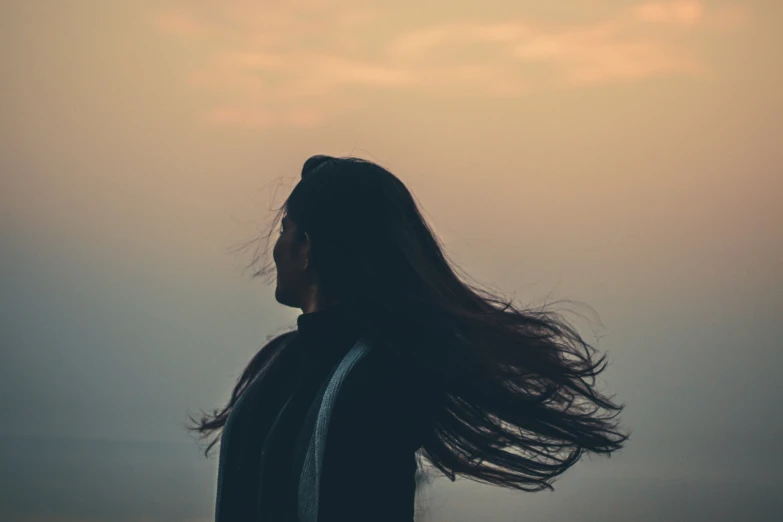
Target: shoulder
<point>369,458</point>
<point>267,355</point>
<point>366,387</point>
<point>379,395</point>
<point>372,376</point>
<point>278,343</point>
<point>275,343</point>
<point>283,338</point>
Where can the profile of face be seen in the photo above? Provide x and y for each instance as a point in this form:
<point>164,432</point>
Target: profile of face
<point>291,254</point>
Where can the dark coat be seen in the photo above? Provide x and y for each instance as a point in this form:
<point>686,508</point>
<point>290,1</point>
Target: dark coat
<point>376,427</point>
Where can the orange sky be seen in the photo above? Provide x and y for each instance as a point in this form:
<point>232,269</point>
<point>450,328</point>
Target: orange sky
<point>172,113</point>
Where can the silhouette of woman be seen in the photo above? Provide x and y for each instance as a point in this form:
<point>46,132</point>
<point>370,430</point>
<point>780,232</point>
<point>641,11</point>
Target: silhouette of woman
<point>395,359</point>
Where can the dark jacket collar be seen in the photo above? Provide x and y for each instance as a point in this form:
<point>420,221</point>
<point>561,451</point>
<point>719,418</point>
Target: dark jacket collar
<point>331,320</point>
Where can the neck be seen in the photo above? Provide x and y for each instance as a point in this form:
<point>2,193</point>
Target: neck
<point>314,302</point>
<point>311,307</point>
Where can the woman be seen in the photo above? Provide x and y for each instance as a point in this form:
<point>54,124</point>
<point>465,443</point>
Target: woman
<point>399,358</point>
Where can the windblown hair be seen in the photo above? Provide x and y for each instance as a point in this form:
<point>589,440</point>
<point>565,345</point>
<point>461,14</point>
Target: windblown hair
<point>517,402</point>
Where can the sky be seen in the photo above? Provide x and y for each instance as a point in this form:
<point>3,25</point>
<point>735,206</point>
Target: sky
<point>625,154</point>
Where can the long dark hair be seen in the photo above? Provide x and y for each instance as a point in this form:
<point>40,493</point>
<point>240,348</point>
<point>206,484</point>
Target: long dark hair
<point>517,402</point>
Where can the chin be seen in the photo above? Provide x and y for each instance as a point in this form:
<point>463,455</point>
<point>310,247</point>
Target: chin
<point>283,299</point>
<point>279,295</point>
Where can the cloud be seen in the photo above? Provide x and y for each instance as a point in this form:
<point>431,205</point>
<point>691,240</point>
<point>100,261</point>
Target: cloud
<point>273,59</point>
<point>634,44</point>
<point>329,70</point>
<point>582,57</point>
<point>298,75</point>
<point>499,32</point>
<point>678,12</point>
<point>416,42</point>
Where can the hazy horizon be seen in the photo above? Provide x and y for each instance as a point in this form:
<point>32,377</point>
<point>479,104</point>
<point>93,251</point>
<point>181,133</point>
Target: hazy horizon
<point>624,154</point>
